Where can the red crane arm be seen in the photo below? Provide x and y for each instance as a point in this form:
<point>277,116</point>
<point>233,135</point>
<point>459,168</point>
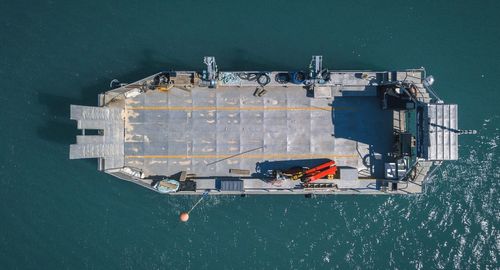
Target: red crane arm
<point>319,175</point>
<point>320,171</point>
<point>320,167</point>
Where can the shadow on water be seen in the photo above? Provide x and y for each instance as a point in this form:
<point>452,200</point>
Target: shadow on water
<point>60,129</point>
<point>241,60</point>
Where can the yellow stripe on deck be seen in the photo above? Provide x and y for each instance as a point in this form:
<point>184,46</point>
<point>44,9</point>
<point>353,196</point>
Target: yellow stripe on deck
<point>222,108</point>
<point>256,156</point>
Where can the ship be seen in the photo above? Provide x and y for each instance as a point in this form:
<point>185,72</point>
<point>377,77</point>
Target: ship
<point>310,131</point>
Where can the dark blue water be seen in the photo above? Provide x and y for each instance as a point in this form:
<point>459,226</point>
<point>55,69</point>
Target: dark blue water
<point>58,214</point>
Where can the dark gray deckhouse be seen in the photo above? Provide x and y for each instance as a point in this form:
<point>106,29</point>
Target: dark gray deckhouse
<point>312,131</point>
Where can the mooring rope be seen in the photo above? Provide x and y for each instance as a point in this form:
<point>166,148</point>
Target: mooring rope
<point>202,197</point>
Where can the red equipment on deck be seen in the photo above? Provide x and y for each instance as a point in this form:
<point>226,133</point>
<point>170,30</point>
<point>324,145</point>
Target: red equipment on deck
<point>309,175</point>
<point>318,172</point>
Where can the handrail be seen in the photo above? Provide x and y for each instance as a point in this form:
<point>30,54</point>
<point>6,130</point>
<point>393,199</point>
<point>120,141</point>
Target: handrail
<point>429,89</point>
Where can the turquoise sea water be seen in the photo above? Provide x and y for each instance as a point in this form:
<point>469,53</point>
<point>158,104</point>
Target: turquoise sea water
<point>61,214</point>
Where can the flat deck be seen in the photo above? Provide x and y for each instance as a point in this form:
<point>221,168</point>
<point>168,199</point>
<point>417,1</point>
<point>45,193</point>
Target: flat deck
<point>209,131</point>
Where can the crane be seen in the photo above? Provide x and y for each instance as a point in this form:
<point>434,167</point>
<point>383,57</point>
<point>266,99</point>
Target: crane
<point>307,175</point>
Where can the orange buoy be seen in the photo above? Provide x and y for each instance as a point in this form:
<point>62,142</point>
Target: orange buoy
<point>184,216</point>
